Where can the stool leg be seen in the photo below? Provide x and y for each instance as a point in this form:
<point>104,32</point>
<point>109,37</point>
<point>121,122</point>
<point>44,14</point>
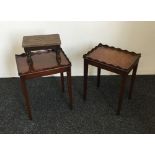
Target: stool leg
<point>98,76</point>
<point>69,82</point>
<point>85,80</point>
<point>25,93</point>
<point>62,82</point>
<point>132,81</point>
<point>124,77</point>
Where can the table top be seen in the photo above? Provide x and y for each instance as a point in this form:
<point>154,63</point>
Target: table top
<point>114,57</point>
<point>42,60</point>
<point>41,40</point>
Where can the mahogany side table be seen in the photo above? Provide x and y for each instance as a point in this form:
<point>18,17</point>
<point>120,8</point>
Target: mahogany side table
<point>48,58</point>
<point>115,60</point>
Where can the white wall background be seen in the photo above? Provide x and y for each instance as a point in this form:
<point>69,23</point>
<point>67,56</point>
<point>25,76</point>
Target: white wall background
<point>78,38</point>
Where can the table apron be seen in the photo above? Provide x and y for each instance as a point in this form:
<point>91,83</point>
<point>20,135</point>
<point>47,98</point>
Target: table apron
<point>115,70</point>
<point>45,73</point>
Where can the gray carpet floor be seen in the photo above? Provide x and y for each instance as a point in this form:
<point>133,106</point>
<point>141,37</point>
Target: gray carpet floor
<point>51,113</point>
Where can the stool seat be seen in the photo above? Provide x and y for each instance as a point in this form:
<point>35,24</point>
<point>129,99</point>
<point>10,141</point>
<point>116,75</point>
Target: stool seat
<point>41,40</point>
<point>113,57</point>
<point>42,60</point>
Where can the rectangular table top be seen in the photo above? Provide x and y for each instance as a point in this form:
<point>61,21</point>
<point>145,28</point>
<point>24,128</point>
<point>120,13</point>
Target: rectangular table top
<point>113,57</point>
<point>41,40</point>
<point>42,60</point>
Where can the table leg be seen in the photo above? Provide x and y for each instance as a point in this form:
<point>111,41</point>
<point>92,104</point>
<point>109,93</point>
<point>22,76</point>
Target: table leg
<point>85,79</point>
<point>132,81</point>
<point>69,82</point>
<point>124,77</point>
<point>58,57</point>
<point>62,82</point>
<point>29,59</point>
<point>98,76</point>
<point>25,93</point>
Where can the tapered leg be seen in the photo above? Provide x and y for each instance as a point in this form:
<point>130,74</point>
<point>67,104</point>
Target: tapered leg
<point>85,80</point>
<point>98,76</point>
<point>25,93</point>
<point>62,81</point>
<point>132,81</point>
<point>124,77</point>
<point>69,82</point>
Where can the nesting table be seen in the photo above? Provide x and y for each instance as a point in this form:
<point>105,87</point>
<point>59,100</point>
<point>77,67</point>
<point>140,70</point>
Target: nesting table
<point>48,58</point>
<point>115,60</point>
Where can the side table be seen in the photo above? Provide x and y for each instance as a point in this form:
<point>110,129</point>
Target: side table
<point>115,60</point>
<point>48,58</point>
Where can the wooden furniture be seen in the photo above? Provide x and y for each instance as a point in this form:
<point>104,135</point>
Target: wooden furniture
<point>115,60</point>
<point>38,42</point>
<point>47,59</point>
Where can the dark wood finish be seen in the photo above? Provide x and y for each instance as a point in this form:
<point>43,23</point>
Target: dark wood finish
<point>62,82</point>
<point>25,93</point>
<point>122,88</point>
<point>69,83</point>
<point>132,81</point>
<point>115,60</point>
<point>42,62</point>
<point>42,42</point>
<point>98,76</point>
<point>85,79</point>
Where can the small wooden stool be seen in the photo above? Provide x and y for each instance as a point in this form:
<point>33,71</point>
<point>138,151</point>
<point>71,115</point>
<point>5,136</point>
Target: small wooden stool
<point>47,59</point>
<point>115,60</point>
